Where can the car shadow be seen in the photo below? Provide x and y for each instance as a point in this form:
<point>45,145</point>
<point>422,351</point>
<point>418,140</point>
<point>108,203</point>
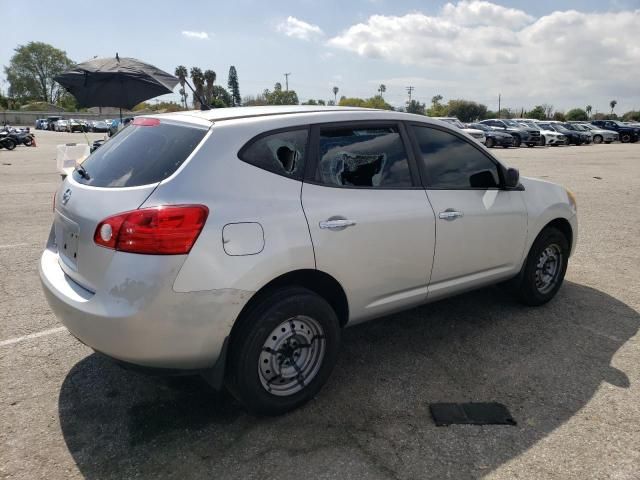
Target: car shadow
<point>372,418</point>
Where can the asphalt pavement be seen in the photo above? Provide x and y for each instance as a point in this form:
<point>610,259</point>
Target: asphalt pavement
<point>568,371</point>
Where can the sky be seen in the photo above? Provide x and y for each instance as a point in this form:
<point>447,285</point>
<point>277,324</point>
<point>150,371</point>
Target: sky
<point>564,53</point>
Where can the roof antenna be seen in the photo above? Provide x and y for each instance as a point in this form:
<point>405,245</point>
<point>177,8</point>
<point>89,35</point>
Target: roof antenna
<point>117,57</point>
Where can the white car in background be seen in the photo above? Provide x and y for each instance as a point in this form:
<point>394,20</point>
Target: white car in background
<point>600,135</point>
<point>62,125</point>
<point>551,137</point>
<point>477,134</point>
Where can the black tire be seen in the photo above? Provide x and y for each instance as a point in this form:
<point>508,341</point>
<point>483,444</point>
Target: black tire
<point>597,139</point>
<point>625,137</point>
<point>28,141</point>
<point>516,141</point>
<point>543,142</point>
<point>9,144</point>
<point>244,374</point>
<point>528,284</point>
<point>490,142</point>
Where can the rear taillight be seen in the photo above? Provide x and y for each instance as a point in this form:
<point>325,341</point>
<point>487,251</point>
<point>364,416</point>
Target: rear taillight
<point>166,230</point>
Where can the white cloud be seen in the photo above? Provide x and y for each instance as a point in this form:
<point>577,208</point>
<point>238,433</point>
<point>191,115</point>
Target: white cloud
<point>568,55</point>
<point>196,35</point>
<point>485,13</point>
<point>293,27</point>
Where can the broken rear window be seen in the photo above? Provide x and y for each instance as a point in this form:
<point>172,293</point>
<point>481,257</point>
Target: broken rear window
<point>282,153</point>
<point>363,157</point>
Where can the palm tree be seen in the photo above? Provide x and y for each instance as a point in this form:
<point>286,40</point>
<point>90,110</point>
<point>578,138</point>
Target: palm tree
<point>381,89</point>
<point>210,79</point>
<point>588,110</point>
<point>335,95</point>
<point>613,104</point>
<point>181,73</point>
<point>198,84</point>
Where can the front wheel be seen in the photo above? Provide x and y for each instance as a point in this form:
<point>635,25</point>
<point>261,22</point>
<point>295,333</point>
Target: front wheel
<point>544,268</point>
<point>516,141</point>
<point>625,138</point>
<point>283,351</point>
<point>597,139</point>
<point>9,144</point>
<point>489,142</point>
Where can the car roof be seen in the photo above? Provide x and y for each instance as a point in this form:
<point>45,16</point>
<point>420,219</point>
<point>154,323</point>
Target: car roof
<point>233,113</point>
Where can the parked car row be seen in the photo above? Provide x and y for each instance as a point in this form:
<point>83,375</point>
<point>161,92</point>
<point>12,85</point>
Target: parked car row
<point>500,132</point>
<point>59,124</point>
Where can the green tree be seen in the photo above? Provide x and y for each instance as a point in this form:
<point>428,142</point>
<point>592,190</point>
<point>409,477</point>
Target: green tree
<point>632,116</point>
<point>465,110</point>
<point>374,102</point>
<point>250,100</point>
<point>197,77</point>
<point>613,104</point>
<point>209,80</point>
<point>280,97</point>
<point>234,87</point>
<point>577,114</point>
<point>537,113</point>
<point>351,102</point>
<point>31,71</point>
<point>220,97</point>
<point>416,107</point>
<point>505,113</point>
<point>559,116</point>
<point>437,109</point>
<point>182,73</point>
<point>588,110</point>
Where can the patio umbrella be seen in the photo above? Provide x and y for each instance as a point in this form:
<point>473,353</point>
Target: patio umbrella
<point>115,82</point>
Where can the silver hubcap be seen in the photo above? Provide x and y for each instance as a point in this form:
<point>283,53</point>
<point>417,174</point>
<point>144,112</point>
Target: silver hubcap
<point>548,268</point>
<point>291,356</point>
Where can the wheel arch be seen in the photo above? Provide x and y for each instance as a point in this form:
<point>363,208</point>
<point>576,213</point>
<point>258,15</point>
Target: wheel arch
<point>317,281</point>
<point>561,224</point>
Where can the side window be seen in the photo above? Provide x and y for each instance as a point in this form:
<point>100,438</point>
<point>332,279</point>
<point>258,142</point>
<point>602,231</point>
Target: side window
<point>453,163</point>
<point>362,157</point>
<point>282,153</point>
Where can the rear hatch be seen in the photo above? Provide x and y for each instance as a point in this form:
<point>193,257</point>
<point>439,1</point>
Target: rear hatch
<point>118,177</point>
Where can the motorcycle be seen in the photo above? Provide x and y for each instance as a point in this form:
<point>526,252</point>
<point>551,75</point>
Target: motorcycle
<point>19,136</point>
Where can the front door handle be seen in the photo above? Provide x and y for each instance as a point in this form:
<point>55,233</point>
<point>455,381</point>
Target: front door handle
<point>337,224</point>
<point>450,214</point>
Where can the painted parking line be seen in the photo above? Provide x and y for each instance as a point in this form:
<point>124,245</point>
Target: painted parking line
<point>14,245</point>
<point>44,333</point>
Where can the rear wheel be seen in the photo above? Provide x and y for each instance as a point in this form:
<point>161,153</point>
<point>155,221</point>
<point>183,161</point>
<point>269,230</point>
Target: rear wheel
<point>597,139</point>
<point>283,351</point>
<point>544,269</point>
<point>625,138</point>
<point>516,141</point>
<point>543,142</point>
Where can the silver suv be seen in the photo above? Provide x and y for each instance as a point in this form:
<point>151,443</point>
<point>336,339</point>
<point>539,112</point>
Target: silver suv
<point>237,243</point>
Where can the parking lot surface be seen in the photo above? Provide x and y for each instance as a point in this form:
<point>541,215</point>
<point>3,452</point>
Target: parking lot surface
<point>569,371</point>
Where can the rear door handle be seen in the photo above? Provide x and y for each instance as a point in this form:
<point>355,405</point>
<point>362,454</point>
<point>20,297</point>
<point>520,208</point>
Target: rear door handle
<point>450,214</point>
<point>336,224</point>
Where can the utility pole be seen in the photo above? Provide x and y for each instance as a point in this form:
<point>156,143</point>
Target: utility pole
<point>410,91</point>
<point>286,81</point>
<point>499,98</point>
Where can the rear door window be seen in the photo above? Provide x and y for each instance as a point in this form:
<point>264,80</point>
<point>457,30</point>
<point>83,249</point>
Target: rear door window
<point>145,152</point>
<point>366,156</point>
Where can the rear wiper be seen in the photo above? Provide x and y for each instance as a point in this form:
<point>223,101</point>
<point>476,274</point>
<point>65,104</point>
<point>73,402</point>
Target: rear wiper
<point>82,172</point>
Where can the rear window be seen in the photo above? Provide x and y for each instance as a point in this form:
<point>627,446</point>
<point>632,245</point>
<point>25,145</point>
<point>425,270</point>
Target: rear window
<point>141,154</point>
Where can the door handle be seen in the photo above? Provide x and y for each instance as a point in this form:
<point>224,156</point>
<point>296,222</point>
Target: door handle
<point>450,214</point>
<point>336,224</point>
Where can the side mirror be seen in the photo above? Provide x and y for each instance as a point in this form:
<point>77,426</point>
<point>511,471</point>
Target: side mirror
<point>511,178</point>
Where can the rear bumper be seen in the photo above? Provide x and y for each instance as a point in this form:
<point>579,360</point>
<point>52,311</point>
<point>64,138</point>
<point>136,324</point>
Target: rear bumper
<point>142,321</point>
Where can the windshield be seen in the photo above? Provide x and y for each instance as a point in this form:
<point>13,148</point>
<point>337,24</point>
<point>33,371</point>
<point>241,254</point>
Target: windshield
<point>512,123</point>
<point>544,126</point>
<point>479,126</point>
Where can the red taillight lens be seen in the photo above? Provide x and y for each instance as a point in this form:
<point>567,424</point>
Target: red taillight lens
<point>166,230</point>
